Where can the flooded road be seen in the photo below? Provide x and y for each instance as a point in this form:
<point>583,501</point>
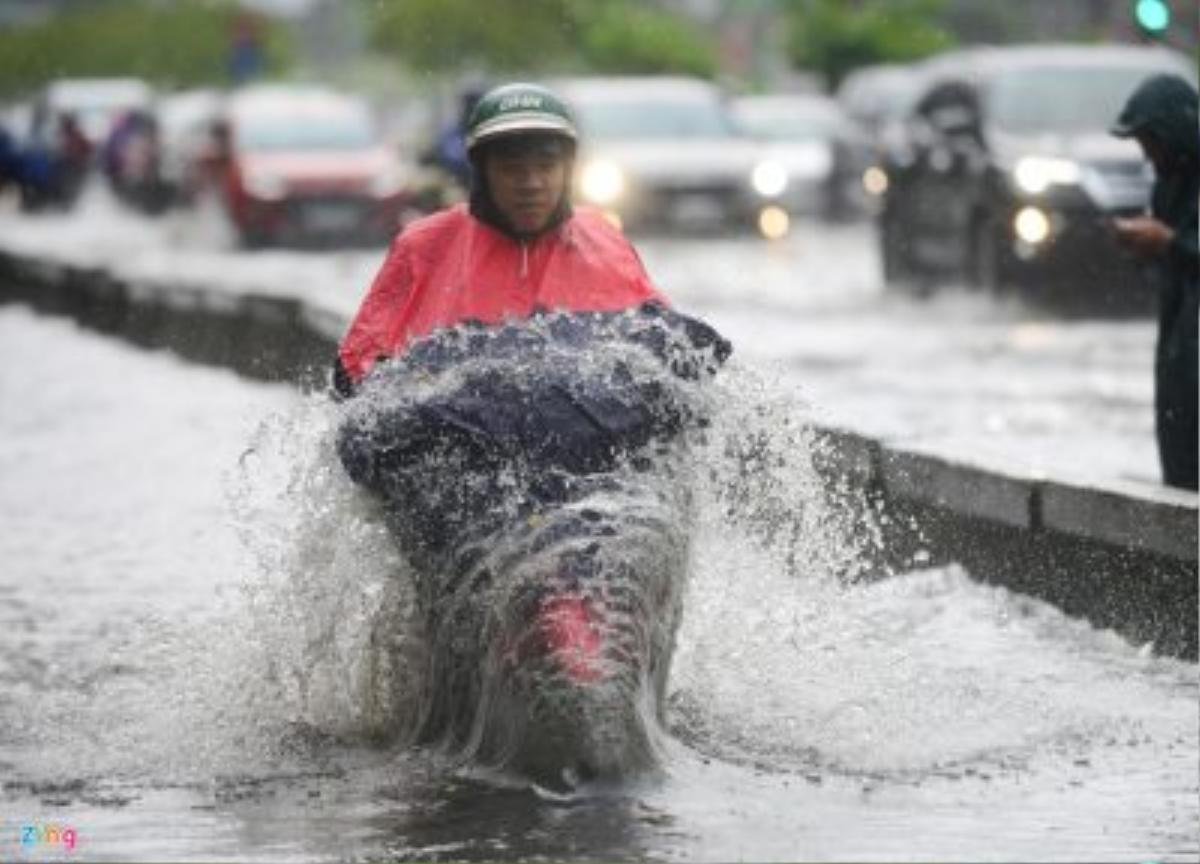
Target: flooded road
<point>188,584</point>
<point>995,382</point>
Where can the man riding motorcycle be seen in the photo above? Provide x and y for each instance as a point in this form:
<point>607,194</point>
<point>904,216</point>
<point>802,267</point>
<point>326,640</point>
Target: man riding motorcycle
<point>529,465</point>
<point>517,248</point>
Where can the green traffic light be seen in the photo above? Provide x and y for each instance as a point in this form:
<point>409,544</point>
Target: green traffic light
<point>1153,16</point>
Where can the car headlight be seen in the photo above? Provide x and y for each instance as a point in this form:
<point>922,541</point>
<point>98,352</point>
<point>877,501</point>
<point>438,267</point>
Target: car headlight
<point>267,186</point>
<point>388,182</point>
<point>1032,225</point>
<point>1035,174</point>
<point>769,178</point>
<point>875,181</point>
<point>774,222</point>
<point>602,182</point>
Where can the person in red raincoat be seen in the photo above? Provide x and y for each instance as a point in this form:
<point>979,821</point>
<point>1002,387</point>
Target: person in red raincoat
<point>517,248</point>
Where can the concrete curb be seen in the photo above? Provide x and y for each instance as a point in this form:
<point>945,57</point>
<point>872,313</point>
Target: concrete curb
<point>1158,520</point>
<point>1161,521</point>
<point>1121,555</point>
<point>963,488</point>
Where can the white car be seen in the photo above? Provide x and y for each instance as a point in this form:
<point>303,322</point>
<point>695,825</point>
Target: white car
<point>809,135</point>
<point>187,122</point>
<point>664,151</point>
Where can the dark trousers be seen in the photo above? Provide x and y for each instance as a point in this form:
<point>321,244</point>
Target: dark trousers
<point>1175,398</point>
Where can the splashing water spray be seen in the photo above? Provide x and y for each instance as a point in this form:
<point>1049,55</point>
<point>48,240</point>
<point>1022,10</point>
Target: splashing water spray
<point>516,605</point>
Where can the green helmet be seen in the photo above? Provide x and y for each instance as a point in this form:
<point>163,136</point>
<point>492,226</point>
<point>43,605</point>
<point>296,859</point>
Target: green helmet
<point>517,108</point>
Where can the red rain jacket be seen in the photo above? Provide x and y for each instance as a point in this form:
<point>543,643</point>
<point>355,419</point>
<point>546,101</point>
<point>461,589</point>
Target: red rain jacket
<point>451,267</point>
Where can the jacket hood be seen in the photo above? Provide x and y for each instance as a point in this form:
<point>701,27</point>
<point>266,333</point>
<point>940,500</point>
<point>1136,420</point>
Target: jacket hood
<point>1166,106</point>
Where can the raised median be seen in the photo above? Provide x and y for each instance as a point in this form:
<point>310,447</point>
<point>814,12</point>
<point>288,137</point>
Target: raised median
<point>1121,555</point>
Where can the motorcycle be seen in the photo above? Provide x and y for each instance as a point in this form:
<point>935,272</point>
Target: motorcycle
<point>535,476</point>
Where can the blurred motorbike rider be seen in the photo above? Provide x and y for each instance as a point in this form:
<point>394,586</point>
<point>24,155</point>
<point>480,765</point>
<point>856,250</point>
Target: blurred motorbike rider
<point>450,149</point>
<point>1161,116</point>
<point>516,248</point>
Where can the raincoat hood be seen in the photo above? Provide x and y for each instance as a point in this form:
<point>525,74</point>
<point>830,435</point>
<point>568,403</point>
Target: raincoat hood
<point>1167,107</point>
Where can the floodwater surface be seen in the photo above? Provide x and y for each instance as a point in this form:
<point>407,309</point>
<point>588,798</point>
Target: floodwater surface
<point>188,583</point>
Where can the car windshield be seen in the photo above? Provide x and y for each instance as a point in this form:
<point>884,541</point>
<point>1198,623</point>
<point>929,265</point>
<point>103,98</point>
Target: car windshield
<point>305,131</point>
<point>96,120</point>
<point>880,97</point>
<point>1062,99</point>
<point>95,108</point>
<point>654,118</point>
<point>787,122</point>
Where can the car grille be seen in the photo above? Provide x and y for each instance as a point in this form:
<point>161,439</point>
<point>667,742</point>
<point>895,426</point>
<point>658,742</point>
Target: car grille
<point>329,214</point>
<point>698,203</point>
<point>719,190</point>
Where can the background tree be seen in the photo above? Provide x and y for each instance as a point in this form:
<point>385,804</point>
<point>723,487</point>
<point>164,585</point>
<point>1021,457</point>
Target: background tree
<point>536,35</point>
<point>170,44</point>
<point>833,37</point>
<point>445,35</point>
<point>633,38</point>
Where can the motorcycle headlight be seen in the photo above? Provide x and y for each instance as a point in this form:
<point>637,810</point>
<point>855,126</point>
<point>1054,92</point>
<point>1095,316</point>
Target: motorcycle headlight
<point>1036,174</point>
<point>769,178</point>
<point>602,182</point>
<point>270,187</point>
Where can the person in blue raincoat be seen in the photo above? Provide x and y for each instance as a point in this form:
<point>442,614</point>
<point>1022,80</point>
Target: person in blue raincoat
<point>450,149</point>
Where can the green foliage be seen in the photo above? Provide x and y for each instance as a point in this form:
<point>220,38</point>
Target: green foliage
<point>182,43</point>
<point>443,35</point>
<point>834,37</point>
<point>536,35</point>
<point>620,38</point>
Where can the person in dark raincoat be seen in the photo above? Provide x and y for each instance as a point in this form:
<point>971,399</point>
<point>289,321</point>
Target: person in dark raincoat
<point>74,156</point>
<point>1161,116</point>
<point>11,166</point>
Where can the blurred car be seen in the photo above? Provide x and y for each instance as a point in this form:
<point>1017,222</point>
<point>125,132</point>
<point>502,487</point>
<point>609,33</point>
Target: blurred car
<point>69,121</point>
<point>871,95</point>
<point>1006,173</point>
<point>186,123</point>
<point>810,137</point>
<point>664,151</point>
<point>95,103</point>
<point>307,165</point>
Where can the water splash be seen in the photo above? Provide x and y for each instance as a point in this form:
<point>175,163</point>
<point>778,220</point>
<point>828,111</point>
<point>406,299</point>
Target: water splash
<point>338,600</point>
<point>791,655</point>
<point>951,700</point>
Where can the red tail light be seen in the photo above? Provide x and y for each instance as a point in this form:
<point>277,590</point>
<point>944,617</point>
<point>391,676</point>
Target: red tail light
<point>565,632</point>
<point>572,637</point>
